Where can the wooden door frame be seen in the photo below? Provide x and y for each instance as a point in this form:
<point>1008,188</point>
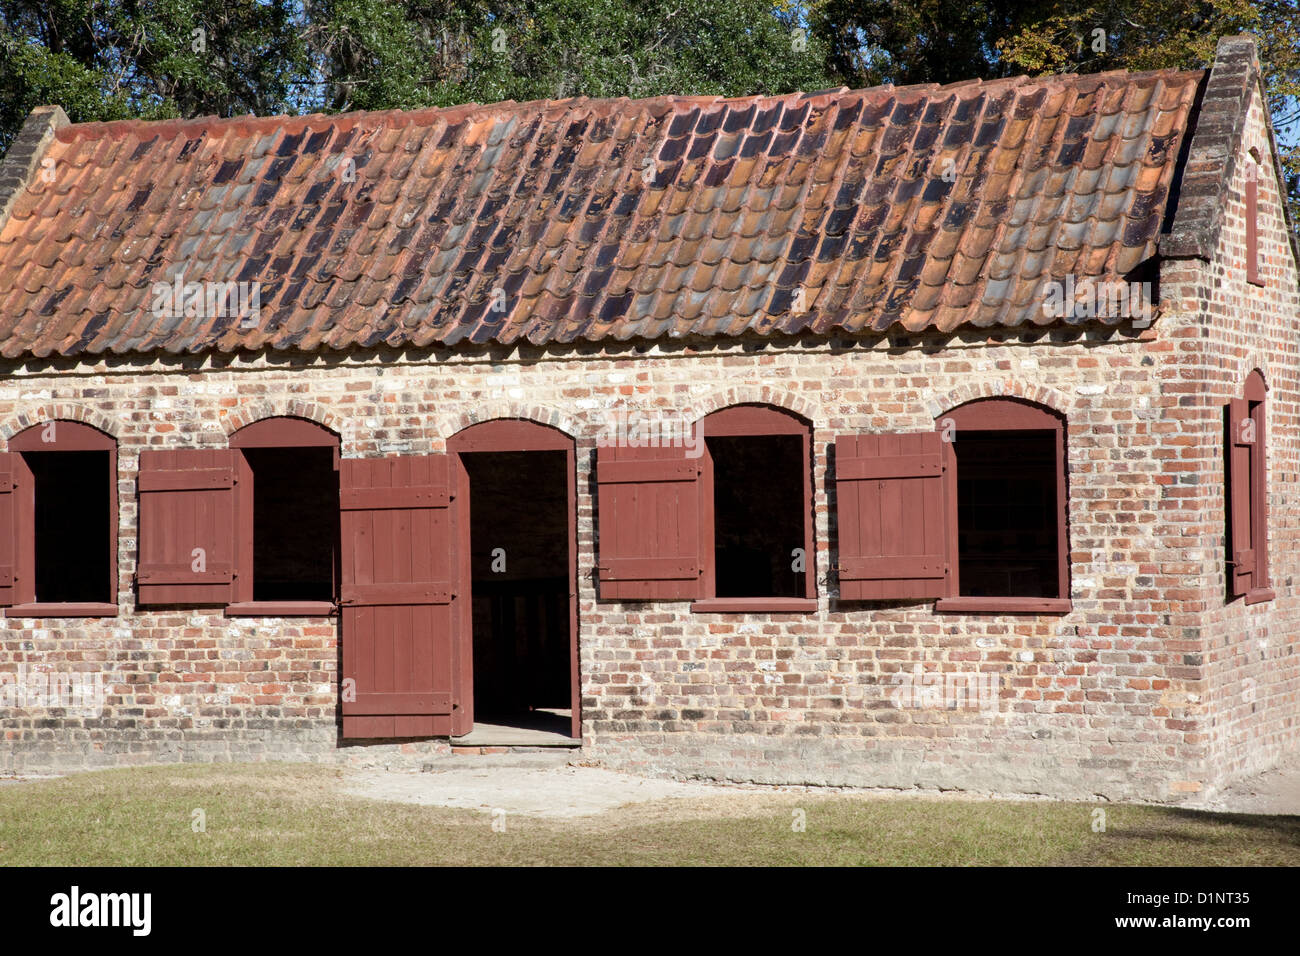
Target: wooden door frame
<point>515,435</point>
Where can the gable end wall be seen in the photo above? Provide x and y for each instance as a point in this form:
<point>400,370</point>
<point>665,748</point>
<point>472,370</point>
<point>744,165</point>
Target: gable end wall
<point>1249,662</point>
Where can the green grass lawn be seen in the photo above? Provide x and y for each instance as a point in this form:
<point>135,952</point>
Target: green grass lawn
<point>296,814</point>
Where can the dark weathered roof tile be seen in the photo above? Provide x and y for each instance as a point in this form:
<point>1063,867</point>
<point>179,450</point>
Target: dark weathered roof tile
<point>922,206</point>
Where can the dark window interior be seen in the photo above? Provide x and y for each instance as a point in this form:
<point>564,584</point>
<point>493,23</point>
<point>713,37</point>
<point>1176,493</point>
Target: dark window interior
<point>74,535</point>
<point>295,523</point>
<point>758,515</point>
<point>1007,514</point>
<point>519,509</point>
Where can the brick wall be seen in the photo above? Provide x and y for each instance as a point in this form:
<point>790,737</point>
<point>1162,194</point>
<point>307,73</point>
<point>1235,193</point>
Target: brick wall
<point>1099,700</point>
<point>1249,670</point>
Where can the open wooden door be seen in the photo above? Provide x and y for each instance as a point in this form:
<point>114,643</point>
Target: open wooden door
<point>400,572</point>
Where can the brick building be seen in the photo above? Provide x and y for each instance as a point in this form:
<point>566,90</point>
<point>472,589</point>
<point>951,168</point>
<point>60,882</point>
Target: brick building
<point>905,437</point>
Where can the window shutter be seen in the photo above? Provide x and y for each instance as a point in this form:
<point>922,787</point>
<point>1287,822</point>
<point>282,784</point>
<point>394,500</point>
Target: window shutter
<point>1241,553</point>
<point>10,467</point>
<point>1259,499</point>
<point>895,516</point>
<point>399,568</point>
<point>188,515</point>
<point>651,504</point>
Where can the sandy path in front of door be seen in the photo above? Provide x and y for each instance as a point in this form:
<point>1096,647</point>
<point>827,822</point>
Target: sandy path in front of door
<point>543,788</point>
<point>546,785</point>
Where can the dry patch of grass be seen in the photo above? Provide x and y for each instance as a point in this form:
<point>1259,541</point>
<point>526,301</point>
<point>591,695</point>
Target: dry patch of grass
<point>275,814</point>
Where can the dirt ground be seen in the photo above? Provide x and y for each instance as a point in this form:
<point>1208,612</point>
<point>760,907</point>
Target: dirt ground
<point>546,785</point>
<point>546,788</point>
<point>1275,791</point>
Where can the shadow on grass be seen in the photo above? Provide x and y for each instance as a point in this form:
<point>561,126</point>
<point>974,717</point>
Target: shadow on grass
<point>1211,836</point>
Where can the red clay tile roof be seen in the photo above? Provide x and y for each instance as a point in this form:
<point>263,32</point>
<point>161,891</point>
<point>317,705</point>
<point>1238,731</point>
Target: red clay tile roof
<point>667,217</point>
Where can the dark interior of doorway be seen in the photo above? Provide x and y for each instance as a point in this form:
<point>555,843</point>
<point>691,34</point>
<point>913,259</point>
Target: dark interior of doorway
<point>519,545</point>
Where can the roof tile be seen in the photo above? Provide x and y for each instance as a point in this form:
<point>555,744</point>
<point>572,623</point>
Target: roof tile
<point>673,217</point>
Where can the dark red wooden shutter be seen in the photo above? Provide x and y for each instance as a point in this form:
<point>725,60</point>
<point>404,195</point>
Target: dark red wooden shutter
<point>10,465</point>
<point>188,515</point>
<point>650,517</point>
<point>1259,498</point>
<point>895,515</point>
<point>399,569</point>
<point>1241,552</point>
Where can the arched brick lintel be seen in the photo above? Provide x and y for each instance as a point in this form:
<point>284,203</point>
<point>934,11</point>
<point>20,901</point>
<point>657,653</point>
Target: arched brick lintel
<point>756,395</point>
<point>250,412</point>
<point>450,425</point>
<point>938,403</point>
<point>57,411</point>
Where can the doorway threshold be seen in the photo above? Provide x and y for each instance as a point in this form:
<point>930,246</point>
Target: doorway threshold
<point>540,728</point>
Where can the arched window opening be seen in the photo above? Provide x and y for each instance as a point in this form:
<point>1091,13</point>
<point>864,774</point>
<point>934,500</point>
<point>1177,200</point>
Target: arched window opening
<point>757,488</point>
<point>60,507</point>
<point>289,507</point>
<point>1010,460</point>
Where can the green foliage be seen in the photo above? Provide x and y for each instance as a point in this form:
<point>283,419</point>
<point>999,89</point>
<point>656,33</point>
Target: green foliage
<point>375,57</point>
<point>604,48</point>
<point>916,41</point>
<point>109,59</point>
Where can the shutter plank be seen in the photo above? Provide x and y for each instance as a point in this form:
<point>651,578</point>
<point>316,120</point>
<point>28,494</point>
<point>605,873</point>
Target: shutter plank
<point>649,513</point>
<point>1241,560</point>
<point>401,703</point>
<point>892,516</point>
<point>9,469</point>
<point>1259,498</point>
<point>187,501</point>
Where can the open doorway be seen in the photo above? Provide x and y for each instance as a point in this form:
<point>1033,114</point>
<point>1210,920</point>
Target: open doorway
<point>522,583</point>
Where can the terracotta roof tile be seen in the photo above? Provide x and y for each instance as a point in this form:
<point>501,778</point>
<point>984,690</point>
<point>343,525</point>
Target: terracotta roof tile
<point>922,206</point>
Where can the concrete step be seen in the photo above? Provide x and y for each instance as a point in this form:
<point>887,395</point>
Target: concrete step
<point>496,758</point>
<point>502,735</point>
